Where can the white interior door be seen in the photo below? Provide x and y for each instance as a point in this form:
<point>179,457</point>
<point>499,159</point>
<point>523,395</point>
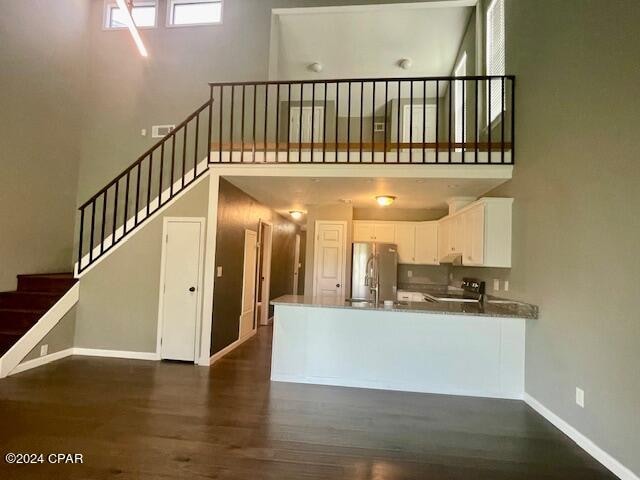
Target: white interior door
<point>413,132</point>
<point>266,239</point>
<point>329,258</point>
<point>182,255</point>
<point>296,265</point>
<point>248,282</point>
<point>318,124</point>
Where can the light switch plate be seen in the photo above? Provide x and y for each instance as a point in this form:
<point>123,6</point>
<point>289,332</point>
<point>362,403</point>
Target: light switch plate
<point>410,273</point>
<point>219,272</point>
<point>506,285</point>
<point>44,349</point>
<point>580,397</point>
<point>496,284</point>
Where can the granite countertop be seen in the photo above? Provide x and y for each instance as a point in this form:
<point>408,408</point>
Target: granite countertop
<point>489,308</point>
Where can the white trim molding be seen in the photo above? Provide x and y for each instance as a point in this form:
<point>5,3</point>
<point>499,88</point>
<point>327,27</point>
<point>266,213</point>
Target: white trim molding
<point>94,352</point>
<point>582,441</point>
<point>38,362</point>
<point>232,346</point>
<point>12,358</point>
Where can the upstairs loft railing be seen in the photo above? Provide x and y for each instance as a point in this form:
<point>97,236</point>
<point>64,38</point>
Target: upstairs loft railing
<point>157,176</point>
<point>435,120</point>
<point>431,120</point>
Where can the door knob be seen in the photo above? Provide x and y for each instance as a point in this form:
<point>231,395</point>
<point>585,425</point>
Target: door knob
<point>192,289</point>
<point>337,285</point>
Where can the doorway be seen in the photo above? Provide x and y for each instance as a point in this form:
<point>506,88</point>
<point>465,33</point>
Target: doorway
<point>265,243</point>
<point>329,258</point>
<point>296,265</point>
<point>180,288</point>
<point>249,272</point>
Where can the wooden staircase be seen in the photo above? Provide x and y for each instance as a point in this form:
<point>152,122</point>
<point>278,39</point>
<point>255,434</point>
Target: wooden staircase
<point>21,309</point>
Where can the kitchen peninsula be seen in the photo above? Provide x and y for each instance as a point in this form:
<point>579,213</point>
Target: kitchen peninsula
<point>472,349</point>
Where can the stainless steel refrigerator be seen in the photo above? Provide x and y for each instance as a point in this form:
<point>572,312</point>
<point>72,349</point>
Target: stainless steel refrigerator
<point>374,265</point>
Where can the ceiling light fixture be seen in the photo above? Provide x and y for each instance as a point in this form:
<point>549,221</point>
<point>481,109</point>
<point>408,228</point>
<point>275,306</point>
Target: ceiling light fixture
<point>316,67</point>
<point>123,5</point>
<point>405,63</point>
<point>296,214</point>
<point>385,200</point>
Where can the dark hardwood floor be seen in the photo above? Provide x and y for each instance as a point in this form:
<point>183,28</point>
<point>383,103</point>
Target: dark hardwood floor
<point>152,420</point>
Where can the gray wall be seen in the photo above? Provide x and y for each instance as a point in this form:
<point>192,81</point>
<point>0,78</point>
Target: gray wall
<point>118,307</point>
<point>238,212</point>
<point>42,68</point>
<point>59,338</point>
<point>576,223</point>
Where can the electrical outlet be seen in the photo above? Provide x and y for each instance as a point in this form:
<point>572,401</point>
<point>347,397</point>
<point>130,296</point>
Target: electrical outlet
<point>219,272</point>
<point>43,350</point>
<point>496,284</point>
<point>506,285</point>
<point>143,132</point>
<point>410,273</point>
<point>580,397</point>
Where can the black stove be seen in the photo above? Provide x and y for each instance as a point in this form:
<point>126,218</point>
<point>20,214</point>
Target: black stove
<point>472,291</point>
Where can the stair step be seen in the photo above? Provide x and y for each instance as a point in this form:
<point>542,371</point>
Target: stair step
<point>28,300</point>
<point>19,318</point>
<point>8,339</point>
<point>48,282</point>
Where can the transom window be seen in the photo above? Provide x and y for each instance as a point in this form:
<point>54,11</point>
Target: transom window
<point>460,100</point>
<point>143,13</point>
<point>495,56</point>
<point>194,12</point>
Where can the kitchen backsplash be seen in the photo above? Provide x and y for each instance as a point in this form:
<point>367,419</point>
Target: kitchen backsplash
<point>424,274</point>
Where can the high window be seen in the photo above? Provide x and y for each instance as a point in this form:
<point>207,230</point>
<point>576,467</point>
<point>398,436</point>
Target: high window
<point>143,13</point>
<point>459,95</point>
<point>194,12</point>
<point>495,56</point>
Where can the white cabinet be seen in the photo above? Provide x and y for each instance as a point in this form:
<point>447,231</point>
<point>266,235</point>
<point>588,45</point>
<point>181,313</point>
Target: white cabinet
<point>480,234</point>
<point>426,243</point>
<point>406,241</point>
<point>374,232</point>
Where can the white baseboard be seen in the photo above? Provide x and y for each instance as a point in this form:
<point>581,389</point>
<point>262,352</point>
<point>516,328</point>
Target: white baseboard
<point>38,362</point>
<point>93,352</point>
<point>232,346</point>
<point>12,358</point>
<point>583,442</point>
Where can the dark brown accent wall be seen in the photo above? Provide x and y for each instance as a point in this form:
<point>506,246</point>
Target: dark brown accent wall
<point>238,211</point>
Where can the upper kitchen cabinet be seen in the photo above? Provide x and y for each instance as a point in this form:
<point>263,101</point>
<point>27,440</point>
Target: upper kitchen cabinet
<point>406,242</point>
<point>426,243</point>
<point>479,234</point>
<point>384,232</point>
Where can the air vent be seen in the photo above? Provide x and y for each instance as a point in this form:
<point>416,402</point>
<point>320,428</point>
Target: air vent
<point>160,131</point>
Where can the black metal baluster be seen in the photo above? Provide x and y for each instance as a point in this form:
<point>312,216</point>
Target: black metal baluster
<point>208,132</point>
<point>464,121</point>
<point>373,123</point>
<point>361,117</point>
<point>277,123</point>
<point>242,126</point>
<point>195,148</point>
<point>80,242</point>
<point>502,121</point>
<point>411,122</point>
<point>231,148</point>
<point>300,124</point>
<point>349,125</point>
<point>115,213</point>
<point>337,118</point>
<point>450,114</point>
<point>437,120</point>
<point>221,124</point>
<point>398,121</point>
<point>184,151</point>
<point>313,116</point>
<point>386,118</point>
<point>476,120</point>
<point>173,162</point>
<point>137,193</point>
<point>149,182</point>
<point>266,118</point>
<point>162,170</point>
<point>489,126</point>
<point>424,120</point>
<point>93,216</point>
<point>324,124</point>
<point>126,204</point>
<point>255,100</point>
<point>104,220</point>
<point>289,124</point>
<point>513,117</point>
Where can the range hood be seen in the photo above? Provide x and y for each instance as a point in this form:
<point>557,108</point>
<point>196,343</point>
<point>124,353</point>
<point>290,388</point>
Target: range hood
<point>453,258</point>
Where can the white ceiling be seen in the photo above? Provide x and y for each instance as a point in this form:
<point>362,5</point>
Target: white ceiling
<point>369,42</point>
<point>284,194</point>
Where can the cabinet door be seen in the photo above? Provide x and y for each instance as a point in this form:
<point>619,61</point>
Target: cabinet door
<point>406,240</point>
<point>457,234</point>
<point>384,232</point>
<point>474,236</point>
<point>426,243</point>
<point>363,232</point>
<point>443,238</point>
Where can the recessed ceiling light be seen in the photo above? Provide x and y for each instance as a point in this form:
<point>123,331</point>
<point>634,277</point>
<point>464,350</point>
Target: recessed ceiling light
<point>315,180</point>
<point>385,200</point>
<point>296,214</point>
<point>420,180</point>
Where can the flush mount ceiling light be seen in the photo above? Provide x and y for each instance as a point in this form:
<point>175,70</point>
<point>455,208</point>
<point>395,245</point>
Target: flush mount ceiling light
<point>316,67</point>
<point>385,200</point>
<point>405,63</point>
<point>125,8</point>
<point>296,214</point>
